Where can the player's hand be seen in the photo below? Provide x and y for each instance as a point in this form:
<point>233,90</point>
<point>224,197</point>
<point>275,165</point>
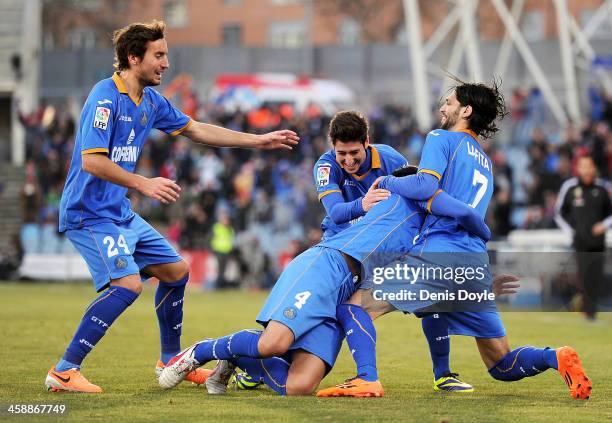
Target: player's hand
<point>374,196</point>
<point>284,139</point>
<point>505,285</point>
<point>598,229</point>
<point>162,189</point>
<point>376,182</point>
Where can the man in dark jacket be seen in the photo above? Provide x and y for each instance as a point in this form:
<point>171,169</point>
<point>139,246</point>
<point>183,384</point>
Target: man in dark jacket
<point>583,208</point>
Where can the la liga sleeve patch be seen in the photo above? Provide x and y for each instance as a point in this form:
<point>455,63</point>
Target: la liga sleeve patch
<point>323,175</point>
<point>101,118</point>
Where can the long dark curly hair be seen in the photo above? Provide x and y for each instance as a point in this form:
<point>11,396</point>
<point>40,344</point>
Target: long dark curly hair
<point>487,102</point>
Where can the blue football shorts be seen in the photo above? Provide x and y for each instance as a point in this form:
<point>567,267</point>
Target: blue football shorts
<point>113,251</point>
<point>479,324</point>
<point>324,341</point>
<point>305,298</point>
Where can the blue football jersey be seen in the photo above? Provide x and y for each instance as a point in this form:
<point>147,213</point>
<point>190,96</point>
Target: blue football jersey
<point>385,232</point>
<point>115,124</point>
<point>466,173</point>
<point>330,177</point>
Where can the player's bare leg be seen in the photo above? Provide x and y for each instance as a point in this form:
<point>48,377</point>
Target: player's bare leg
<point>275,339</point>
<point>365,299</point>
<point>168,272</point>
<point>305,373</point>
<point>492,349</point>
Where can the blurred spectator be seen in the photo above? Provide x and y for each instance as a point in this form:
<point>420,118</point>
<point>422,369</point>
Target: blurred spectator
<point>10,259</point>
<point>257,266</point>
<point>284,258</point>
<point>31,196</point>
<point>585,211</point>
<point>222,245</point>
<point>270,196</point>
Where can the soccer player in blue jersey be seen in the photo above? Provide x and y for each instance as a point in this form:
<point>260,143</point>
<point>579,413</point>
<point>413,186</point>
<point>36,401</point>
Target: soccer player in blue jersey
<point>301,339</point>
<point>344,175</point>
<point>454,161</point>
<point>344,178</point>
<point>119,247</point>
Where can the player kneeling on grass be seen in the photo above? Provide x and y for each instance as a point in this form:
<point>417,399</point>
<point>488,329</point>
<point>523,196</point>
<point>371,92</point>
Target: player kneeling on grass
<point>453,157</point>
<point>301,339</point>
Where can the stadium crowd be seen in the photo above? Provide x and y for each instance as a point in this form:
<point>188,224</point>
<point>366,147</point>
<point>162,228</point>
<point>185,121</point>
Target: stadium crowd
<point>260,210</point>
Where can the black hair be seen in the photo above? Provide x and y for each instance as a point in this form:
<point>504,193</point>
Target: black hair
<point>347,126</point>
<point>487,102</point>
<point>405,171</point>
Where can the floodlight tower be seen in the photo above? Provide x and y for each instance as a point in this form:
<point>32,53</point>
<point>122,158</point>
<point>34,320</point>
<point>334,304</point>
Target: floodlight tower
<point>575,55</point>
<point>27,85</point>
<point>417,59</point>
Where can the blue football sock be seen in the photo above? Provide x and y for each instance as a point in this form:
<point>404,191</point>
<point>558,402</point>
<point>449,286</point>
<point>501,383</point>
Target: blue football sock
<point>272,371</point>
<point>98,317</point>
<point>239,344</point>
<point>550,356</point>
<point>169,309</point>
<point>524,362</point>
<point>361,339</point>
<point>64,365</point>
<point>435,329</point>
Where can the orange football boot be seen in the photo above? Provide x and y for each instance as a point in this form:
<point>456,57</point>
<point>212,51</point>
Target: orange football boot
<point>354,387</point>
<point>573,374</point>
<point>198,376</point>
<point>70,380</point>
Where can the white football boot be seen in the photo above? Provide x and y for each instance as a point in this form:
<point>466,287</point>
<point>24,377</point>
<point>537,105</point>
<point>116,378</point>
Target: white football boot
<point>179,367</point>
<point>217,382</point>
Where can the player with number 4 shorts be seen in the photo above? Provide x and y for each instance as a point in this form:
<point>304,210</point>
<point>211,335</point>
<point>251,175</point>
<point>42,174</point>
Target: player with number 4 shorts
<point>454,160</point>
<point>299,315</point>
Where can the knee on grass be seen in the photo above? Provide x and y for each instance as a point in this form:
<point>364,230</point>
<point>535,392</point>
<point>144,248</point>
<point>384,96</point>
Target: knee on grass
<point>301,386</point>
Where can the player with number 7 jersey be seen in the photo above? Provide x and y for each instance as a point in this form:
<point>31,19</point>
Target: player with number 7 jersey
<point>453,157</point>
<point>466,173</point>
<point>301,339</point>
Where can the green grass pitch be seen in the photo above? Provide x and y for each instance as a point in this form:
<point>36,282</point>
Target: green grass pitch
<point>37,321</point>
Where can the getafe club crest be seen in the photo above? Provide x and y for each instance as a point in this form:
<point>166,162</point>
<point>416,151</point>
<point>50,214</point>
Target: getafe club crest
<point>120,263</point>
<point>143,119</point>
<point>290,313</point>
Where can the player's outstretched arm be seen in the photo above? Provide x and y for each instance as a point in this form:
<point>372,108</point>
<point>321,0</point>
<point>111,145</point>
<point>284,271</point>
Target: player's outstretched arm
<point>340,211</point>
<point>102,167</point>
<point>443,204</point>
<point>415,187</point>
<point>217,136</point>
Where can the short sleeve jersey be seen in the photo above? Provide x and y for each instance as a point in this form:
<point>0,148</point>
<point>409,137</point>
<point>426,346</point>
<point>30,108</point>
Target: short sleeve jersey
<point>330,177</point>
<point>466,173</point>
<point>115,124</point>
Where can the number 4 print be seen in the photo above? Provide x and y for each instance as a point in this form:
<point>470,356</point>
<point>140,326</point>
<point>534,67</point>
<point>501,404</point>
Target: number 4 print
<point>301,298</point>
